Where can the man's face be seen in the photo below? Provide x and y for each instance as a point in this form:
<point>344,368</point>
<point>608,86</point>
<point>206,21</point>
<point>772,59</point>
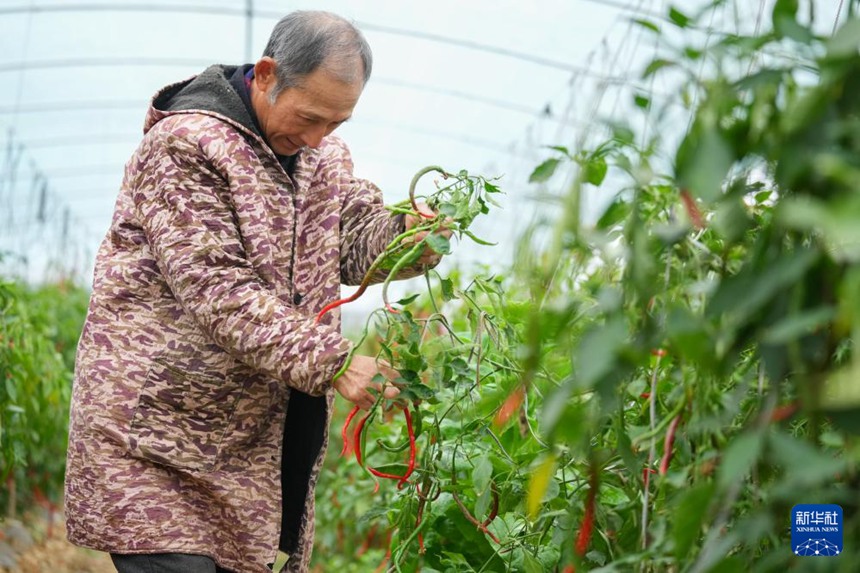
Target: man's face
<point>301,116</point>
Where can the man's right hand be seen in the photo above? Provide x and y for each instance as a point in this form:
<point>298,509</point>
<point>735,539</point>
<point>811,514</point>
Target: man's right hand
<point>354,383</point>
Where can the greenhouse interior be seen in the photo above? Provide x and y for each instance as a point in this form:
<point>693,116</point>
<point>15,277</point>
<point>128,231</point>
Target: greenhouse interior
<point>481,287</point>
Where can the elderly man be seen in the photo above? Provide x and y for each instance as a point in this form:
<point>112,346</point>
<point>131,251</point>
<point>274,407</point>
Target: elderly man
<point>203,390</point>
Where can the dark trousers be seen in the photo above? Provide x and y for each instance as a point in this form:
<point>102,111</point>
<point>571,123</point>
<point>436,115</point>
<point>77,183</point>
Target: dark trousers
<point>165,563</point>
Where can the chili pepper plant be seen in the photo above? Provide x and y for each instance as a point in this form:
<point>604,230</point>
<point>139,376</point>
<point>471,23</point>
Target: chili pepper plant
<point>39,329</point>
<point>652,389</point>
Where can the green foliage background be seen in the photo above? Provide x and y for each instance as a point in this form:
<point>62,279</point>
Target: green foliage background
<point>688,358</point>
<point>39,330</point>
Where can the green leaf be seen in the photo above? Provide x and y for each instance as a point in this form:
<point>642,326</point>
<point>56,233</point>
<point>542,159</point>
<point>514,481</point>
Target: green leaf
<point>560,149</point>
<point>482,474</point>
<point>840,397</point>
<point>805,465</point>
<point>597,352</point>
<point>745,293</point>
<point>554,406</point>
<point>739,458</point>
<point>407,300</point>
<point>490,188</point>
<point>729,565</point>
<point>625,446</point>
<point>678,17</point>
<point>544,171</point>
<point>689,337</point>
<point>595,171</point>
<point>836,221</point>
<point>613,496</point>
<point>439,243</point>
<point>417,391</point>
<point>791,28</point>
<point>785,9</point>
<point>796,326</point>
<point>845,43</point>
<point>692,53</point>
<point>691,511</point>
<point>447,289</point>
<point>785,24</point>
<point>732,220</point>
<point>373,514</point>
<point>656,65</point>
<point>641,101</point>
<point>538,485</point>
<point>616,212</point>
<point>702,163</point>
<point>530,564</point>
<point>622,132</point>
<point>647,24</point>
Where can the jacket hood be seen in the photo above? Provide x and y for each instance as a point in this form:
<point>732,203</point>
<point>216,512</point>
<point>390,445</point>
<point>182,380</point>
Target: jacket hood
<point>209,91</point>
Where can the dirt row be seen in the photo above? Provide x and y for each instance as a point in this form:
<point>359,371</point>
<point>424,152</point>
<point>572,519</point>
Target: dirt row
<point>34,546</point>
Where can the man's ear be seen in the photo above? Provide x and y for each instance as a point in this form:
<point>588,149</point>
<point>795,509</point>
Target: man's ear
<point>264,74</point>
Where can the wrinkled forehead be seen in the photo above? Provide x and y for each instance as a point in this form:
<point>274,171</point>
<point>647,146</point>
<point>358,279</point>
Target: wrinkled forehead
<point>326,95</point>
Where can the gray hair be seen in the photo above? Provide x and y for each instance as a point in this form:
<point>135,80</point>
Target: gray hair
<point>305,40</point>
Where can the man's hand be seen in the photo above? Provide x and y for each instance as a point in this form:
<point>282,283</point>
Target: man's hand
<point>429,257</point>
<point>354,383</point>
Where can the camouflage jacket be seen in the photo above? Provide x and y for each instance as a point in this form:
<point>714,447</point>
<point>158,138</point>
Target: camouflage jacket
<point>201,322</point>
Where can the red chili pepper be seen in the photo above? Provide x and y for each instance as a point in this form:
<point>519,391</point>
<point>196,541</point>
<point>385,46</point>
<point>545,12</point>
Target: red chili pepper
<point>413,450</point>
<point>667,445</point>
<point>659,352</point>
<point>511,405</point>
<point>646,475</point>
<point>583,539</point>
<point>344,431</point>
<point>784,412</point>
<point>337,303</point>
<point>495,509</point>
<point>692,209</point>
<point>368,539</point>
<point>387,555</point>
<point>383,475</point>
<point>569,569</point>
<point>391,309</point>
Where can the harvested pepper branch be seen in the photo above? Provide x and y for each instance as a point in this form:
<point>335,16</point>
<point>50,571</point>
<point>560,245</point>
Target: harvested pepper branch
<point>414,183</point>
<point>405,260</point>
<point>392,249</point>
